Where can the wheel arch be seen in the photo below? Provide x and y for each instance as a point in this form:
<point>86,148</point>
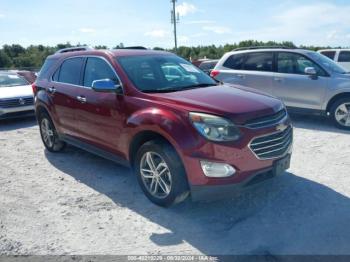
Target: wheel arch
<point>336,98</point>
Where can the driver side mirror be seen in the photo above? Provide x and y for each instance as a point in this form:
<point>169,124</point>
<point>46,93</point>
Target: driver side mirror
<point>106,85</point>
<point>310,71</point>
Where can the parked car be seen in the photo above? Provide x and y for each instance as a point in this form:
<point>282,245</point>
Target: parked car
<point>207,66</point>
<point>180,135</point>
<point>306,81</point>
<point>16,96</point>
<point>340,56</point>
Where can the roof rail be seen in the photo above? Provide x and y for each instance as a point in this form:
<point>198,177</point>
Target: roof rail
<point>263,47</point>
<point>133,47</point>
<point>74,49</point>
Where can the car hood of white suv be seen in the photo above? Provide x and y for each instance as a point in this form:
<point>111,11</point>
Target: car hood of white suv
<point>16,91</point>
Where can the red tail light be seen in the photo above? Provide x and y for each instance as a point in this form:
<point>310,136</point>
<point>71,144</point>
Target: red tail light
<point>34,89</point>
<point>214,73</point>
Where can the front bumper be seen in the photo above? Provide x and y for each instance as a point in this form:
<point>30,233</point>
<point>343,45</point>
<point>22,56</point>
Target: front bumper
<point>215,192</point>
<point>15,112</point>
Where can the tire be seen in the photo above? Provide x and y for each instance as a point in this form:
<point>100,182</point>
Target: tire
<point>340,113</point>
<point>171,176</point>
<point>49,134</point>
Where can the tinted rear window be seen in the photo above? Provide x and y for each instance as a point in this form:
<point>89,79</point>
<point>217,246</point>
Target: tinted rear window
<point>344,56</point>
<point>329,54</point>
<point>70,71</point>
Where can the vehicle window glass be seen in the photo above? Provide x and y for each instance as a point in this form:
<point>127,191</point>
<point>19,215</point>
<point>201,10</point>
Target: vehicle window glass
<point>97,69</point>
<point>327,63</point>
<point>291,63</point>
<point>45,68</point>
<point>259,61</point>
<point>329,54</point>
<point>70,71</point>
<point>235,62</point>
<point>55,75</point>
<point>163,73</point>
<point>344,56</point>
<point>7,80</point>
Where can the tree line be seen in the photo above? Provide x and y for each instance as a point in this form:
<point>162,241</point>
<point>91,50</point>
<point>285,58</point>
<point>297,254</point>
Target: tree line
<point>32,57</point>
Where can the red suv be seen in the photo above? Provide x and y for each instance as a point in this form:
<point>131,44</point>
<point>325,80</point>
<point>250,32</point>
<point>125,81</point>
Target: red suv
<point>180,131</point>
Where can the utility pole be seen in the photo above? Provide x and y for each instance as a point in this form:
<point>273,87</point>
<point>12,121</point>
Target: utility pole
<point>174,20</point>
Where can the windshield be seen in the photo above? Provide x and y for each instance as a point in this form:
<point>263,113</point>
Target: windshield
<point>7,80</point>
<point>163,73</point>
<point>327,63</point>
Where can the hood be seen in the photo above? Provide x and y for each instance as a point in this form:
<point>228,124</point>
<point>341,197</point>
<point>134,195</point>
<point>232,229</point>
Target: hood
<point>236,102</point>
<point>16,91</point>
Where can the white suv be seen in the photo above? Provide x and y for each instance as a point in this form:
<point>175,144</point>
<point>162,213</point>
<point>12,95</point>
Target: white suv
<point>340,56</point>
<point>306,81</point>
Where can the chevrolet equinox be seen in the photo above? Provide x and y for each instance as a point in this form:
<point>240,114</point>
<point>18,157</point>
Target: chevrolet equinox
<point>181,132</point>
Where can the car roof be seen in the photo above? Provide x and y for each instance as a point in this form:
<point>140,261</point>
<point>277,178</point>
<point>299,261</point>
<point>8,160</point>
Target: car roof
<point>294,50</point>
<point>112,52</point>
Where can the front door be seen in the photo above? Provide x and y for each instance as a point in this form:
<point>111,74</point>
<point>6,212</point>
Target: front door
<point>98,114</point>
<point>294,87</point>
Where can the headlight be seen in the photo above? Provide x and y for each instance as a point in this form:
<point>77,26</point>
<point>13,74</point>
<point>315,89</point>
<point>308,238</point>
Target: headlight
<point>214,128</point>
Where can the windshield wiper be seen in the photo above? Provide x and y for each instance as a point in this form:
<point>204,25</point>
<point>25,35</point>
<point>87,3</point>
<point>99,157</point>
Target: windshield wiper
<point>197,86</point>
<point>172,89</point>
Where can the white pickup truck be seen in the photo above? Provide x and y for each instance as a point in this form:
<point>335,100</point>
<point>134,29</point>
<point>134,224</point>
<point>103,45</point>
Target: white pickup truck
<point>340,56</point>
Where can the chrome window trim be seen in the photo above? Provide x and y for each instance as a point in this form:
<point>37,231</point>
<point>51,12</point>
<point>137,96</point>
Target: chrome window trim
<point>86,56</point>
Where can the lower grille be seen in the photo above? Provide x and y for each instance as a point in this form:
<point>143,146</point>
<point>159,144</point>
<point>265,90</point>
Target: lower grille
<point>16,102</point>
<point>273,145</point>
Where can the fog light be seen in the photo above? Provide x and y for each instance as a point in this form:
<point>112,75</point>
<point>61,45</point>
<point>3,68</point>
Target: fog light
<point>211,169</point>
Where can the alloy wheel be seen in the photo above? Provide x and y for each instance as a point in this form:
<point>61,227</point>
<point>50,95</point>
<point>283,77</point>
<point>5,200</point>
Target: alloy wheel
<point>47,132</point>
<point>342,114</point>
<point>155,175</point>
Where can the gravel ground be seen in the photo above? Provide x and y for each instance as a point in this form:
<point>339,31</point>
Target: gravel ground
<point>78,203</point>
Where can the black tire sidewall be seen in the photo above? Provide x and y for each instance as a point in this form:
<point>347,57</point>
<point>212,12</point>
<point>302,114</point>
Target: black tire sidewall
<point>57,144</point>
<point>179,188</point>
<point>332,111</point>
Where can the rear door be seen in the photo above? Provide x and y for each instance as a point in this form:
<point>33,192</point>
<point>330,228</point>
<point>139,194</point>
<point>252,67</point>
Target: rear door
<point>294,87</point>
<point>344,59</point>
<point>99,114</point>
<point>63,91</point>
<point>253,69</point>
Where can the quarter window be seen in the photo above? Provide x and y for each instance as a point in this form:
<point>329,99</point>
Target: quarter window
<point>329,54</point>
<point>97,69</point>
<point>70,71</point>
<point>235,62</point>
<point>344,56</point>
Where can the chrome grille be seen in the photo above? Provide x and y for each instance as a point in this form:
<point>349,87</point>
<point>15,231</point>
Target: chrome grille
<point>273,145</point>
<point>269,120</point>
<point>16,102</point>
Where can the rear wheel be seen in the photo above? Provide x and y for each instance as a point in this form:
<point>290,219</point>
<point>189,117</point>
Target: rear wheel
<point>340,113</point>
<point>161,174</point>
<point>49,134</point>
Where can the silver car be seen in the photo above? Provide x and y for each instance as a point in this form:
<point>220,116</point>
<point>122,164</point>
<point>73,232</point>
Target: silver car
<point>16,96</point>
<point>306,81</point>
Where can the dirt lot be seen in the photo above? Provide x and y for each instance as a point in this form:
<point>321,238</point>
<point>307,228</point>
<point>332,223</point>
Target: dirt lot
<point>77,203</point>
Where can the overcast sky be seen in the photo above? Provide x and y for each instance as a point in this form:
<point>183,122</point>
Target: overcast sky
<point>147,22</point>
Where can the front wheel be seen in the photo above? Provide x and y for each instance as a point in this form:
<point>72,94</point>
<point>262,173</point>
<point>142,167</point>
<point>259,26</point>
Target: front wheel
<point>340,113</point>
<point>161,174</point>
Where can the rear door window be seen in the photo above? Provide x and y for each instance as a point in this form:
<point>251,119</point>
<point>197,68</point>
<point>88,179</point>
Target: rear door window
<point>70,71</point>
<point>261,61</point>
<point>329,54</point>
<point>344,56</point>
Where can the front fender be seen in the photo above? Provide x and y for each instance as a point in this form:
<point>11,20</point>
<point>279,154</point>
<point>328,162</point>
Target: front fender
<point>174,126</point>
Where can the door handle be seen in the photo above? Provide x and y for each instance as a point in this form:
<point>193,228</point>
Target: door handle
<point>241,76</point>
<point>81,99</point>
<point>51,90</point>
<point>278,79</point>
